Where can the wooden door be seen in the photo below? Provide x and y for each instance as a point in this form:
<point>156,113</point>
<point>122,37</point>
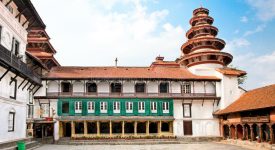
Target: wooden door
<point>187,127</point>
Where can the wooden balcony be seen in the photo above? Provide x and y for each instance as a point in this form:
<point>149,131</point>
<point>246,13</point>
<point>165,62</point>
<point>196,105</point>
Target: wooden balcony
<point>17,66</point>
<point>257,119</point>
<point>131,95</point>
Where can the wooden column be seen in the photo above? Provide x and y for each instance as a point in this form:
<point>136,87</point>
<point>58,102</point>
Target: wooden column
<point>230,132</point>
<point>123,124</point>
<point>159,128</point>
<point>110,128</point>
<point>171,127</point>
<point>271,134</point>
<point>236,132</point>
<point>251,132</point>
<point>61,129</point>
<point>72,129</point>
<point>85,129</point>
<point>244,136</point>
<point>147,128</point>
<point>260,133</point>
<point>135,128</point>
<point>97,128</point>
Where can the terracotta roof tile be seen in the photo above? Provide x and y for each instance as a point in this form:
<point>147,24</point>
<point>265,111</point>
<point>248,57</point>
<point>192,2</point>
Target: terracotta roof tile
<point>231,71</point>
<point>176,73</point>
<point>255,99</point>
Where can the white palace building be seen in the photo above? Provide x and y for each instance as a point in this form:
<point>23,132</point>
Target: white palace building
<point>43,100</point>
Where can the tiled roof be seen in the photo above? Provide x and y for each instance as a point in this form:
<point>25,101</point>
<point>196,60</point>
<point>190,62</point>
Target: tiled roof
<point>231,71</point>
<point>176,73</point>
<point>255,99</point>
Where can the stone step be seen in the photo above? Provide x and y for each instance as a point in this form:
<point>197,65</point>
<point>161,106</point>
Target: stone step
<point>29,146</point>
<point>182,140</point>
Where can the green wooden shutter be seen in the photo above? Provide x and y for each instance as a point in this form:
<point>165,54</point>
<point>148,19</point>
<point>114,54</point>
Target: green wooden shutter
<point>71,106</point>
<point>171,107</point>
<point>147,107</point>
<point>84,108</point>
<point>97,108</point>
<point>59,108</point>
<point>160,112</point>
<point>135,107</point>
<point>110,107</point>
<point>122,108</point>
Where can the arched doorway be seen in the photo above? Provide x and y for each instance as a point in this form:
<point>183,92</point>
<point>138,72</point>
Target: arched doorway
<point>266,133</point>
<point>226,131</point>
<point>153,127</point>
<point>273,128</point>
<point>239,131</point>
<point>255,129</point>
<point>247,131</point>
<point>232,129</point>
<point>129,127</point>
<point>67,129</point>
<point>141,127</point>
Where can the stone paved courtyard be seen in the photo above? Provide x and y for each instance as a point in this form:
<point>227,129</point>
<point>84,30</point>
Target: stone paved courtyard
<point>199,146</point>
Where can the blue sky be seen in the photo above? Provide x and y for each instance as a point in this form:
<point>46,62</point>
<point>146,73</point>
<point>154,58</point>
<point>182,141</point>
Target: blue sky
<point>95,32</point>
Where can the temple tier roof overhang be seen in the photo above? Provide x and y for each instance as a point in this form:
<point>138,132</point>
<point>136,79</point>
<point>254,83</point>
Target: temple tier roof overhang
<point>125,73</point>
<point>211,30</point>
<point>204,42</point>
<point>260,98</point>
<point>201,19</point>
<point>201,10</point>
<point>225,58</point>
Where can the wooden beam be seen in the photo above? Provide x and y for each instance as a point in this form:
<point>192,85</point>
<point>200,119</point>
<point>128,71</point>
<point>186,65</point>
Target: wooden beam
<point>29,86</point>
<point>20,13</point>
<point>37,89</point>
<point>4,74</point>
<point>25,85</point>
<point>21,83</point>
<point>8,3</point>
<point>12,80</point>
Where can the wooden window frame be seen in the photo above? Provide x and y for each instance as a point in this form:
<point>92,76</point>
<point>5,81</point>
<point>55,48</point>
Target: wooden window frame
<point>15,88</point>
<point>165,107</point>
<point>90,83</point>
<point>190,105</point>
<point>63,102</point>
<point>130,106</point>
<point>78,107</point>
<point>154,107</point>
<point>105,106</point>
<point>144,87</point>
<point>141,108</point>
<point>116,107</point>
<point>70,87</point>
<point>167,87</point>
<point>49,106</point>
<point>113,87</point>
<point>91,105</point>
<point>13,122</point>
<point>185,90</point>
<point>1,29</point>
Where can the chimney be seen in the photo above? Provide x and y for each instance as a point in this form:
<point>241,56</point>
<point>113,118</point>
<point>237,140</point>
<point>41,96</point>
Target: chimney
<point>159,58</point>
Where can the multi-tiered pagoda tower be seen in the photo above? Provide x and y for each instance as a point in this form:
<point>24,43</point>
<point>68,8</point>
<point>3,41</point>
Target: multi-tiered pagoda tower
<point>202,47</point>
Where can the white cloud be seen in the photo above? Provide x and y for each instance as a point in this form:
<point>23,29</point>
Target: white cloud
<point>236,44</point>
<point>95,33</point>
<point>265,9</point>
<point>259,28</point>
<point>260,69</point>
<point>244,19</point>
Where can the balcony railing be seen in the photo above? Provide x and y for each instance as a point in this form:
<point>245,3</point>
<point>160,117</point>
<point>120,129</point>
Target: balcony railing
<point>257,119</point>
<point>107,94</point>
<point>12,61</point>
